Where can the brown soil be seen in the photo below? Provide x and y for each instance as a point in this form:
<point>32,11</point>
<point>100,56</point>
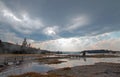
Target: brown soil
<point>33,74</point>
<point>97,70</point>
<point>50,61</point>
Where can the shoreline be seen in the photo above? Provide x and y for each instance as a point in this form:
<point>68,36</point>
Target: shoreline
<point>52,60</point>
<point>101,69</point>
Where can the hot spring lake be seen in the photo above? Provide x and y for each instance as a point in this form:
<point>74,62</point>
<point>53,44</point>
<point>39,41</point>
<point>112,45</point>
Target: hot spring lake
<point>34,66</point>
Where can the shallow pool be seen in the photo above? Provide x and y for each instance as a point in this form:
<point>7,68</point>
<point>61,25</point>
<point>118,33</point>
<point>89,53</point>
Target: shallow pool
<point>34,66</point>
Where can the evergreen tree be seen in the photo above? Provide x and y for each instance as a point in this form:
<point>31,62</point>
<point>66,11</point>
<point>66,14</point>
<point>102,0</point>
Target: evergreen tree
<point>24,46</point>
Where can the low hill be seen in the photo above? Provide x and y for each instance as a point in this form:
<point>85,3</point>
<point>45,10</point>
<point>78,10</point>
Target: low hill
<point>100,51</point>
<point>6,47</point>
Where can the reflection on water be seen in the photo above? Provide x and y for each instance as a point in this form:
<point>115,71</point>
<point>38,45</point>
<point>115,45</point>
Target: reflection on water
<point>83,61</point>
<point>37,67</point>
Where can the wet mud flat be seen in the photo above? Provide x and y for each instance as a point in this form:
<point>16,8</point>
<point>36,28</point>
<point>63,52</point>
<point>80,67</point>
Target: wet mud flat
<point>101,69</point>
<point>91,67</point>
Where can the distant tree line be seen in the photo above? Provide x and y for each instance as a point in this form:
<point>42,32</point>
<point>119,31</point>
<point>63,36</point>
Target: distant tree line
<point>25,48</point>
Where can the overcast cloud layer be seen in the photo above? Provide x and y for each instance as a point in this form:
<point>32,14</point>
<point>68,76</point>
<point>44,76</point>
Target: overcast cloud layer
<point>62,24</point>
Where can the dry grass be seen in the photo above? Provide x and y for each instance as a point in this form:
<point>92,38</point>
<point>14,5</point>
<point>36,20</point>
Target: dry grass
<point>12,55</point>
<point>33,74</point>
<point>50,61</point>
<point>54,61</point>
<point>66,68</point>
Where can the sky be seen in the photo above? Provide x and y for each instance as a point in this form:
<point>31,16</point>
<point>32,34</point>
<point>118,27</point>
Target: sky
<point>62,25</point>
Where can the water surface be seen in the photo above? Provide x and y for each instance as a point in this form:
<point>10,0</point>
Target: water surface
<point>42,68</point>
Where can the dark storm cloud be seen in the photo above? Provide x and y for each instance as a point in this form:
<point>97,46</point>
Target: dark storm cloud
<point>96,17</point>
